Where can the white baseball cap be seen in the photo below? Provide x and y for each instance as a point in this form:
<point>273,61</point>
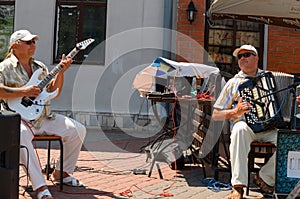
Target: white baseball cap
<point>23,35</point>
<point>244,47</point>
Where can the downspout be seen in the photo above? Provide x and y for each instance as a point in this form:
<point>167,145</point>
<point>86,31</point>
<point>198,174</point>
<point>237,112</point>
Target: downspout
<point>265,60</point>
<point>167,28</point>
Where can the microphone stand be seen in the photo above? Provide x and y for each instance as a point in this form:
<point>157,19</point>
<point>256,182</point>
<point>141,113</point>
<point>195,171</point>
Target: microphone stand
<point>292,124</point>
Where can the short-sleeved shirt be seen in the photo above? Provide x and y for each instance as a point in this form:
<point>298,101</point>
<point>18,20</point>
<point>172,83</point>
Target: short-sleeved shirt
<point>12,74</point>
<point>229,95</point>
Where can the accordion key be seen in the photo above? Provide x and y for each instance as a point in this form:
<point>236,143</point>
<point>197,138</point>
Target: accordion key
<point>268,108</point>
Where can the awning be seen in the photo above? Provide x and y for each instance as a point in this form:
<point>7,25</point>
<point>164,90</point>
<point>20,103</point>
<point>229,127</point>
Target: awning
<point>273,12</point>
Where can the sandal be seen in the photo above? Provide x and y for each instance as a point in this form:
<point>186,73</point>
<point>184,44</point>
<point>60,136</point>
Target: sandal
<point>237,192</point>
<point>45,194</point>
<point>69,181</point>
<point>264,187</point>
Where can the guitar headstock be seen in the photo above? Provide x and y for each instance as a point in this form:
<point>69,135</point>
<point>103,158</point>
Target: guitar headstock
<point>82,45</point>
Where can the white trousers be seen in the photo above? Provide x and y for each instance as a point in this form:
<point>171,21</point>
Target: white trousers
<point>241,138</point>
<point>72,133</point>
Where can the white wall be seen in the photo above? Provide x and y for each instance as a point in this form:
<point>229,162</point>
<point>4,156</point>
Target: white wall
<point>38,18</point>
<point>134,39</point>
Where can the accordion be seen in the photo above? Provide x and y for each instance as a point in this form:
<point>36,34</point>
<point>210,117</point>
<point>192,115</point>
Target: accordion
<point>270,100</point>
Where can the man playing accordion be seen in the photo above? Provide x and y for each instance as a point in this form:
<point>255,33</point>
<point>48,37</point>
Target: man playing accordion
<point>230,106</point>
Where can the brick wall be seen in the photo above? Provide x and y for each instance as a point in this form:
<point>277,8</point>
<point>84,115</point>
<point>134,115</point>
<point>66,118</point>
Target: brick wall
<point>190,39</point>
<point>284,49</point>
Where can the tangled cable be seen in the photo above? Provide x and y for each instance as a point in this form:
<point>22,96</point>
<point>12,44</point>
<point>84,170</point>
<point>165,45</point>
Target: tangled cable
<point>216,186</point>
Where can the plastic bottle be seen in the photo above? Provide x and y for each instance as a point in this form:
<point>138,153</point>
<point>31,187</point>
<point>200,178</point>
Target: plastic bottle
<point>194,87</point>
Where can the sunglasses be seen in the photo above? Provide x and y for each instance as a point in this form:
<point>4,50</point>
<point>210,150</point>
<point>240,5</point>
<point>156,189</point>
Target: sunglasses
<point>29,42</point>
<point>247,54</point>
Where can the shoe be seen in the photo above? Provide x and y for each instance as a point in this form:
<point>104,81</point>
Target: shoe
<point>69,181</point>
<point>237,192</point>
<point>45,194</point>
<point>264,187</point>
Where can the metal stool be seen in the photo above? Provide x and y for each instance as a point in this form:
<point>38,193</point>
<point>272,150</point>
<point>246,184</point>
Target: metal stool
<point>51,138</point>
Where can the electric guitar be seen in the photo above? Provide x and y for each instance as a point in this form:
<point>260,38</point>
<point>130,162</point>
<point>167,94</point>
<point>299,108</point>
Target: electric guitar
<point>30,108</point>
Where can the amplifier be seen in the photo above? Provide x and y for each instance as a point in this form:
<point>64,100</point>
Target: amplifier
<point>9,154</point>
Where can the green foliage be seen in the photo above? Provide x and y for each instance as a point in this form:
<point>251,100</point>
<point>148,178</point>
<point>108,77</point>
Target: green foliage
<point>3,20</point>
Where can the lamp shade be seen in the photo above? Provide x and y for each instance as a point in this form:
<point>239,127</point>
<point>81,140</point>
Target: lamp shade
<point>191,12</point>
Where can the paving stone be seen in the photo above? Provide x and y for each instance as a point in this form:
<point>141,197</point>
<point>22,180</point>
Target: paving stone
<point>106,171</point>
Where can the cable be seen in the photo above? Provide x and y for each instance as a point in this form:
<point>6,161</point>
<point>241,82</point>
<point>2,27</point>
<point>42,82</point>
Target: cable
<point>215,185</point>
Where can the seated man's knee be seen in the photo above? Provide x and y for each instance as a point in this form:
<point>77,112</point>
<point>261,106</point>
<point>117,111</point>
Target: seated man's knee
<point>240,128</point>
<point>81,130</point>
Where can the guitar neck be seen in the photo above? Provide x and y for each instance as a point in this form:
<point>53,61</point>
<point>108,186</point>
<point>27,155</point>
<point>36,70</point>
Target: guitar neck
<point>56,69</point>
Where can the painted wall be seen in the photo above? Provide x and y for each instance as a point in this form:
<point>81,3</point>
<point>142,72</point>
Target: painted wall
<point>134,39</point>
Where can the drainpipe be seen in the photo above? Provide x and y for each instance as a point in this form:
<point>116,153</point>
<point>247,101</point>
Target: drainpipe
<point>265,62</point>
<point>167,28</point>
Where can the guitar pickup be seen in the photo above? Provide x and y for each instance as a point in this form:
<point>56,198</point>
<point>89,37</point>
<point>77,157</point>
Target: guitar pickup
<point>26,101</point>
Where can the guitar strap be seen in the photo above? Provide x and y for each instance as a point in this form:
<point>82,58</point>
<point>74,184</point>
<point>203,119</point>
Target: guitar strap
<point>4,106</point>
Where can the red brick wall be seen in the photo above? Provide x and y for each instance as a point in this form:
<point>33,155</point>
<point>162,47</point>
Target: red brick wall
<point>190,37</point>
<point>284,49</point>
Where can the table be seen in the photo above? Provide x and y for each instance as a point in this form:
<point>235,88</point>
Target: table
<point>196,133</point>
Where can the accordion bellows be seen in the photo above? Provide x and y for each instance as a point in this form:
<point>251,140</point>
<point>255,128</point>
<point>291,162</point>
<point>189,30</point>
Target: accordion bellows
<point>284,80</point>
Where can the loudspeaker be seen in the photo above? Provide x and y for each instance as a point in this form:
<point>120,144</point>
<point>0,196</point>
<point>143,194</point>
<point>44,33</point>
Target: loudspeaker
<point>9,154</point>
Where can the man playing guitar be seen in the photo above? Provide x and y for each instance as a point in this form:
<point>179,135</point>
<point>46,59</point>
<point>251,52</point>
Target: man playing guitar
<point>16,70</point>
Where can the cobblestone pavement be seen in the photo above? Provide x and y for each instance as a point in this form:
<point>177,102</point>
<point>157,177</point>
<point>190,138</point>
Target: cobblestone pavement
<point>106,165</point>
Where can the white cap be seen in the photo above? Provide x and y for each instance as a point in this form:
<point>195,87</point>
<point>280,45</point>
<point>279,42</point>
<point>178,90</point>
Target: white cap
<point>23,35</point>
<point>244,47</point>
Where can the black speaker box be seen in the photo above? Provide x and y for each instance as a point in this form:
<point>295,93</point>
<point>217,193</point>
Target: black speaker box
<point>9,154</point>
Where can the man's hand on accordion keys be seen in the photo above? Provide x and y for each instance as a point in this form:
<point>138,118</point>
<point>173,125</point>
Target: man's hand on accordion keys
<point>242,107</point>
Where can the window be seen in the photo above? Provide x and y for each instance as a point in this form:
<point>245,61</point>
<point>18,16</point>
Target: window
<point>7,13</point>
<point>226,35</point>
<point>78,20</point>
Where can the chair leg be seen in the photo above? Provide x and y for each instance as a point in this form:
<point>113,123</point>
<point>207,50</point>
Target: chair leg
<point>249,175</point>
<point>61,164</point>
<point>48,166</point>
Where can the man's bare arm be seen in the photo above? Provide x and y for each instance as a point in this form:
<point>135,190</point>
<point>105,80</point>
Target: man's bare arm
<point>240,109</point>
<point>9,92</point>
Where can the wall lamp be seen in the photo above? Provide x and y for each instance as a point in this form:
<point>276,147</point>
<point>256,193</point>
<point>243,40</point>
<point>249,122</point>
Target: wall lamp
<point>191,12</point>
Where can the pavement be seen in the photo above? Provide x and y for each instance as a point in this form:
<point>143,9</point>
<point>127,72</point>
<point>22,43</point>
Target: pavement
<point>112,164</point>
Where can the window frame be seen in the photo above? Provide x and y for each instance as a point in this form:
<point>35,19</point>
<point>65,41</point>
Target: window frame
<point>80,5</point>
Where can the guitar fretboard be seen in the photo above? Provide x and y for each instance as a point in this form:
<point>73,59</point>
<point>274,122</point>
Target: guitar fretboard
<point>56,69</point>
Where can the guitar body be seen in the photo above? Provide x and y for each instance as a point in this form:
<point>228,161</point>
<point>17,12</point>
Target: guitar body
<point>33,111</point>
